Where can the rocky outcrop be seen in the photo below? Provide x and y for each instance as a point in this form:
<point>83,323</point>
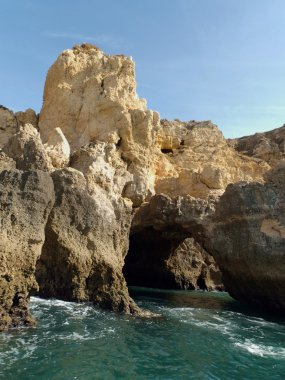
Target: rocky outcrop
<point>267,146</point>
<point>196,160</point>
<point>26,148</point>
<point>105,157</point>
<point>6,162</point>
<point>248,240</point>
<point>87,235</point>
<point>57,148</point>
<point>27,117</point>
<point>25,202</point>
<point>92,97</point>
<point>8,125</point>
<point>164,245</point>
<point>10,122</point>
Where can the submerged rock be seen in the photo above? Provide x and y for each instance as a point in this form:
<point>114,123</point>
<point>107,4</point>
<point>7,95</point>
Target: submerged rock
<point>26,199</point>
<point>248,240</point>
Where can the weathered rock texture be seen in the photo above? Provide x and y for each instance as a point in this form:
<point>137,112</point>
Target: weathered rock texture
<point>91,97</point>
<point>26,148</point>
<point>87,235</point>
<point>248,240</point>
<point>25,202</point>
<point>106,155</point>
<point>267,146</point>
<point>164,248</point>
<point>27,117</point>
<point>6,162</point>
<point>8,125</point>
<point>197,161</point>
<point>10,122</point>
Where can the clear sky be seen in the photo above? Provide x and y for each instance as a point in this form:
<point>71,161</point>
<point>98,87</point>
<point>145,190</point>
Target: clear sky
<point>219,60</point>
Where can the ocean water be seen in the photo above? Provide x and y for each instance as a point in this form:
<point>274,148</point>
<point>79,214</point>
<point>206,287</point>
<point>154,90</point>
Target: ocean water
<point>197,336</point>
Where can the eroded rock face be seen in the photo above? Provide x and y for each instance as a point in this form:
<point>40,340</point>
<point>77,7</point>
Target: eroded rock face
<point>86,241</point>
<point>107,156</point>
<point>164,249</point>
<point>26,199</point>
<point>103,169</point>
<point>26,149</point>
<point>58,149</point>
<point>27,117</point>
<point>8,125</point>
<point>197,161</point>
<point>6,162</point>
<point>92,97</point>
<point>248,240</point>
<point>267,146</point>
<point>10,122</point>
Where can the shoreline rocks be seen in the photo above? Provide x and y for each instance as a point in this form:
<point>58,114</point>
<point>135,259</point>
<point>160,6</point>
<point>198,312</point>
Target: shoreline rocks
<point>248,240</point>
<point>86,241</point>
<point>97,188</point>
<point>26,199</point>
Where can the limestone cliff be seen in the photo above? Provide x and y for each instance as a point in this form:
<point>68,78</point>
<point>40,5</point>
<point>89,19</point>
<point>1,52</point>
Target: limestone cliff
<point>87,236</point>
<point>248,240</point>
<point>91,96</point>
<point>165,250</point>
<point>197,160</point>
<point>10,122</point>
<point>267,146</point>
<point>101,157</point>
<point>26,199</point>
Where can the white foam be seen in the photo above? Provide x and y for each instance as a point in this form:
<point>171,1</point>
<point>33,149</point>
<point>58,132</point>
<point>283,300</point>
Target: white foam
<point>262,350</point>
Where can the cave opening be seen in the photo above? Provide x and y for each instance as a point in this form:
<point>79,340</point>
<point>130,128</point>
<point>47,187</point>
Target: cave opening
<point>146,261</point>
<point>170,259</point>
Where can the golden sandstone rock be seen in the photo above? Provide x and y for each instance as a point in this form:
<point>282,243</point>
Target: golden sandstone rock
<point>107,157</point>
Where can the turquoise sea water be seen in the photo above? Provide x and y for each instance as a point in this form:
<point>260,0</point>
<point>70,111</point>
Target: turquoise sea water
<point>198,336</point>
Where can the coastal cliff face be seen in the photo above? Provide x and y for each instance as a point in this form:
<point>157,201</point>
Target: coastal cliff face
<point>26,199</point>
<point>164,245</point>
<point>248,240</point>
<point>90,96</point>
<point>86,241</point>
<point>197,161</point>
<point>267,146</point>
<point>10,122</point>
<point>117,193</point>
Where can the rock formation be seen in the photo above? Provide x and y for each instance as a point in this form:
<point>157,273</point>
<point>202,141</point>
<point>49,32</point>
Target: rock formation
<point>6,162</point>
<point>197,160</point>
<point>10,122</point>
<point>8,125</point>
<point>164,245</point>
<point>115,173</point>
<point>267,146</point>
<point>87,234</point>
<point>25,147</point>
<point>26,199</point>
<point>91,96</point>
<point>248,240</point>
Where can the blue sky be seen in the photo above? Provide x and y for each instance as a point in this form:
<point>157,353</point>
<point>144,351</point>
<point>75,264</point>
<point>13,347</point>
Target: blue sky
<point>219,60</point>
